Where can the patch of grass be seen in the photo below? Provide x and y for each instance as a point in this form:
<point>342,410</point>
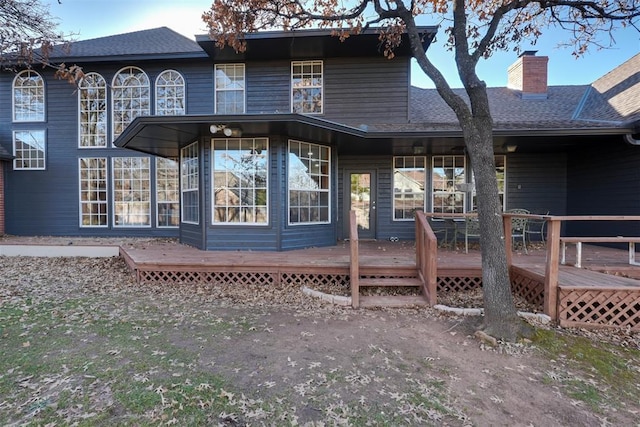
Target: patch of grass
<point>603,370</point>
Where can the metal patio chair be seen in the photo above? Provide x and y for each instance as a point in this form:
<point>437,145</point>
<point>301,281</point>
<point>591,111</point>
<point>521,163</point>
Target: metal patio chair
<point>519,227</point>
<point>536,227</point>
<point>439,228</point>
<point>471,229</point>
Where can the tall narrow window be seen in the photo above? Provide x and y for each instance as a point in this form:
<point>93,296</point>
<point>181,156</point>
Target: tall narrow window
<point>29,149</point>
<point>240,170</point>
<point>131,192</point>
<point>93,192</point>
<point>167,199</point>
<point>501,177</point>
<point>170,94</point>
<point>230,89</point>
<point>449,188</point>
<point>190,178</point>
<point>93,111</point>
<point>28,97</point>
<point>306,87</point>
<point>409,179</point>
<point>130,92</point>
<point>309,183</point>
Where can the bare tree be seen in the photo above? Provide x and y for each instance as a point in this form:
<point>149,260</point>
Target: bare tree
<point>475,29</point>
<point>28,36</point>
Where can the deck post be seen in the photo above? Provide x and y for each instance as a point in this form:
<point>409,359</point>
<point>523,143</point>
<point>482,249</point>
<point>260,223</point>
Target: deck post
<point>354,268</point>
<point>427,257</point>
<point>508,241</point>
<point>552,268</point>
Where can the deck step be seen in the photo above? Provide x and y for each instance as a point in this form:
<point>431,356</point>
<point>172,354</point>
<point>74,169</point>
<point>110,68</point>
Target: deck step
<point>390,282</point>
<point>392,301</point>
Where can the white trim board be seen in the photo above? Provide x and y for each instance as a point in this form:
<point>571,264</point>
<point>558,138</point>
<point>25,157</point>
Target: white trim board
<point>59,251</point>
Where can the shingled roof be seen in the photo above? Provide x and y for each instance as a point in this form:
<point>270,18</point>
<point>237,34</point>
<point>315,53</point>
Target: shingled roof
<point>615,97</point>
<point>146,44</point>
<point>612,101</point>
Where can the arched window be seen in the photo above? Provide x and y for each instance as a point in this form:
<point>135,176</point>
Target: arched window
<point>28,97</point>
<point>130,93</point>
<point>170,94</point>
<point>93,111</point>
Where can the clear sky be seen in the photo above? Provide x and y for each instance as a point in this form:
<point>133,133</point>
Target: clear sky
<point>88,19</point>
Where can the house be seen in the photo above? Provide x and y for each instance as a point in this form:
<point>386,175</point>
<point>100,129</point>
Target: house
<point>270,149</point>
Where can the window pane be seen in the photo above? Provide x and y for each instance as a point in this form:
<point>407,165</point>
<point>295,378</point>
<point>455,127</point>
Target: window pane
<point>448,179</point>
<point>131,192</point>
<point>190,173</point>
<point>93,111</point>
<point>130,91</point>
<point>230,84</point>
<point>93,192</point>
<point>28,97</point>
<point>168,212</point>
<point>29,149</point>
<point>409,178</point>
<point>170,92</point>
<point>308,182</point>
<point>240,170</point>
<point>306,86</point>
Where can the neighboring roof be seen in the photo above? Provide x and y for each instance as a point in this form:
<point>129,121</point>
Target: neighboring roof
<point>508,109</point>
<point>4,154</point>
<point>614,97</point>
<point>146,44</point>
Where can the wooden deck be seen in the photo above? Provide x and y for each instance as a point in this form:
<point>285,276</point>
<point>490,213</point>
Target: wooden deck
<point>585,295</point>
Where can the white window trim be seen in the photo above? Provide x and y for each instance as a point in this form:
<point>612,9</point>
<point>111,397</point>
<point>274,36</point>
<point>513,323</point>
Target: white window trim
<point>393,196</point>
<point>158,201</point>
<point>44,150</point>
<point>13,99</point>
<point>184,90</point>
<point>182,183</point>
<point>465,194</point>
<point>113,100</point>
<point>216,90</point>
<point>328,191</point>
<point>80,203</point>
<point>106,112</point>
<point>504,197</point>
<point>113,195</point>
<point>291,88</point>
<point>213,189</point>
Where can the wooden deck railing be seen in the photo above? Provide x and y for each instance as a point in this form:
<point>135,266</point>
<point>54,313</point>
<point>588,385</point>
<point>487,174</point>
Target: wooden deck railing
<point>427,257</point>
<point>553,254</point>
<point>354,262</point>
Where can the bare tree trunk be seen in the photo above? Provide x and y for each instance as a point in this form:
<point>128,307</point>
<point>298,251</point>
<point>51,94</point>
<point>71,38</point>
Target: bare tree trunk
<point>500,316</point>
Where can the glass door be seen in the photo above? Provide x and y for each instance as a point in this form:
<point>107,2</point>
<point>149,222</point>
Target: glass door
<point>362,200</point>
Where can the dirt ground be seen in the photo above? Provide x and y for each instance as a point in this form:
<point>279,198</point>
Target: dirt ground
<point>303,361</point>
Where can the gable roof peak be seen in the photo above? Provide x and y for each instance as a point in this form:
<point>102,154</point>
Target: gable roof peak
<point>153,42</point>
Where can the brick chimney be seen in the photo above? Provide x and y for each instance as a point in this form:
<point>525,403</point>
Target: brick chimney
<point>529,75</point>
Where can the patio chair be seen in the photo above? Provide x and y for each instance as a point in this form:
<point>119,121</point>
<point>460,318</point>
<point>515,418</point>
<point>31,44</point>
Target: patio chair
<point>471,229</point>
<point>536,227</point>
<point>439,228</point>
<point>518,227</point>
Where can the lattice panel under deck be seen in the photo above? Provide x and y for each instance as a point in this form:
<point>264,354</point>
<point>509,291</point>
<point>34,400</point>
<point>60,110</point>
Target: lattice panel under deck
<point>316,280</point>
<point>458,284</point>
<point>529,289</point>
<point>600,307</point>
<point>215,277</point>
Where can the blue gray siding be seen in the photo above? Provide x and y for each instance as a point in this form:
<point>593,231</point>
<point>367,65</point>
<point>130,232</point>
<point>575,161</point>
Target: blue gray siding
<point>47,201</point>
<point>605,183</point>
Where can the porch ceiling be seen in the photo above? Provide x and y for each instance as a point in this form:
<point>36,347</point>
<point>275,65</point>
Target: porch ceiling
<point>165,135</point>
